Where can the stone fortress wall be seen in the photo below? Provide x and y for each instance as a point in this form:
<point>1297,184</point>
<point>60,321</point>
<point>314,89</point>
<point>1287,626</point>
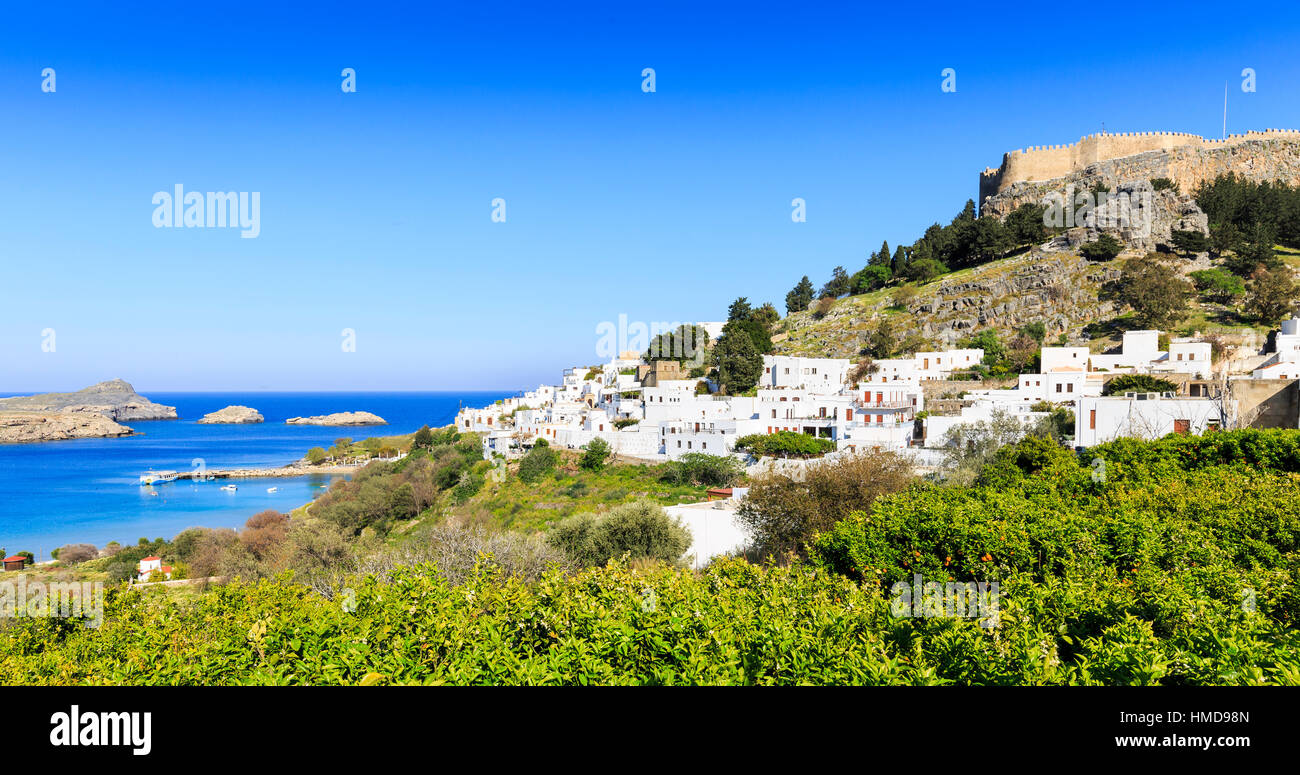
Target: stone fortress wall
<point>1047,162</point>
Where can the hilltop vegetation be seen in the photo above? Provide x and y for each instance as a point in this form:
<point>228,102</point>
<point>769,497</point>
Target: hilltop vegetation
<point>1172,562</point>
<point>981,276</point>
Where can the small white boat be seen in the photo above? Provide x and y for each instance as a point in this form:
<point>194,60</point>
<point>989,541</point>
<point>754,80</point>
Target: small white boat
<point>272,489</point>
<point>229,487</point>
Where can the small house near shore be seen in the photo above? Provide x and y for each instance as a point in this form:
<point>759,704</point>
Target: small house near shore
<point>17,562</point>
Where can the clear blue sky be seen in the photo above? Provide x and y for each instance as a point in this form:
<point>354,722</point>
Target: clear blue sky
<point>375,206</point>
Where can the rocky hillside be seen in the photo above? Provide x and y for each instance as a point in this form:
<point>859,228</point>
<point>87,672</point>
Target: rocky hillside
<point>114,399</point>
<point>1049,284</point>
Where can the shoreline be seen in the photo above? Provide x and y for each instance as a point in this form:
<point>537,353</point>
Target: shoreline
<point>280,472</point>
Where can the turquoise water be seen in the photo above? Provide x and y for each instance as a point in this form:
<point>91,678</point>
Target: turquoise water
<point>87,491</point>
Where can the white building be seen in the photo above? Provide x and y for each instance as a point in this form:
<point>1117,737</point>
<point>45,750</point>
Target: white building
<point>1284,361</point>
<point>713,527</point>
<point>923,365</point>
<point>824,375</point>
<point>1140,353</point>
<point>940,365</point>
<point>1143,416</point>
<point>148,566</point>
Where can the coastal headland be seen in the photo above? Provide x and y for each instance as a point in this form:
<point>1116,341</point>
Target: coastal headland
<point>94,412</point>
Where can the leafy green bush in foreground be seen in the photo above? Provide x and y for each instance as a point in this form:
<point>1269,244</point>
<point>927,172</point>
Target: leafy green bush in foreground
<point>1171,562</point>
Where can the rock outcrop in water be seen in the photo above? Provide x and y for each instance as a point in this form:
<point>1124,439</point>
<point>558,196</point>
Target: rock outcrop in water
<point>339,418</point>
<point>21,427</point>
<point>232,415</point>
<point>115,399</point>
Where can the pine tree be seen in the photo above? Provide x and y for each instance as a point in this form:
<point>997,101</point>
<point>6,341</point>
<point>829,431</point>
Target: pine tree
<point>798,299</point>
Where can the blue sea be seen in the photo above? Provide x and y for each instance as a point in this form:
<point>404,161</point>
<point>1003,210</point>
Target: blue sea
<point>87,490</point>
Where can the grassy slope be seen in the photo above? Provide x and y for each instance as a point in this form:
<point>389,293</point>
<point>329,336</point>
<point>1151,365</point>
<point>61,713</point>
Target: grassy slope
<point>517,505</point>
<point>843,331</point>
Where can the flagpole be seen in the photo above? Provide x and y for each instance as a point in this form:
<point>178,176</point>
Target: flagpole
<point>1225,110</point>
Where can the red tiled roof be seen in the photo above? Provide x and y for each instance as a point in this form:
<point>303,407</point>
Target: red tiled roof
<point>16,558</point>
<point>147,559</point>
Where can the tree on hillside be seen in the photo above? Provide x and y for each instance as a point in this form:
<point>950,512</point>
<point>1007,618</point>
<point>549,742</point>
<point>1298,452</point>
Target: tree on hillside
<point>1224,237</point>
<point>1025,225</point>
<point>537,463</point>
<point>686,343</point>
<point>1271,296</point>
<point>1254,252</point>
<point>869,278</point>
<point>882,341</point>
<point>1036,331</point>
<point>839,284</point>
<point>739,309</point>
<point>1155,291</point>
<point>1022,353</point>
<point>738,362</point>
<point>1189,242</point>
<point>1218,285</point>
<point>596,454</point>
<point>995,353</point>
<point>899,260</point>
<point>990,239</point>
<point>881,257</point>
<point>798,299</point>
<point>757,332</point>
<point>1104,248</point>
<point>423,439</point>
<point>924,270</point>
<point>766,315</point>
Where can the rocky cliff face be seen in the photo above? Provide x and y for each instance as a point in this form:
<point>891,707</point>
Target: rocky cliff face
<point>1259,160</point>
<point>1134,211</point>
<point>115,399</point>
<point>1047,285</point>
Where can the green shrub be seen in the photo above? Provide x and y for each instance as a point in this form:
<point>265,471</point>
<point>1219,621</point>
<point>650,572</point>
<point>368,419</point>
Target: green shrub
<point>640,529</point>
<point>1104,248</point>
<point>1137,383</point>
<point>539,461</point>
<point>784,444</point>
<point>703,469</point>
<point>595,455</point>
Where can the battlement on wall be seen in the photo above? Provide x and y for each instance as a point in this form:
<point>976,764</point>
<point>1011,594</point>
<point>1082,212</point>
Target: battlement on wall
<point>1047,162</point>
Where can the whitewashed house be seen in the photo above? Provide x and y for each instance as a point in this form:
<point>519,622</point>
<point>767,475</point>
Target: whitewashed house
<point>941,365</point>
<point>1143,416</point>
<point>148,566</point>
<point>923,365</point>
<point>824,375</point>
